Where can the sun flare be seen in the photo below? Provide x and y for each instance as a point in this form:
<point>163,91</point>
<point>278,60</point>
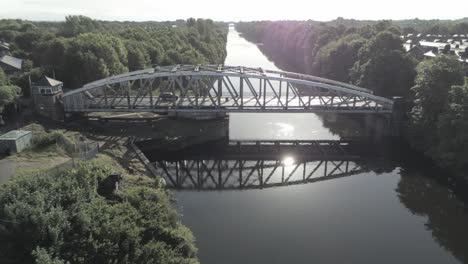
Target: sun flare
<point>288,161</point>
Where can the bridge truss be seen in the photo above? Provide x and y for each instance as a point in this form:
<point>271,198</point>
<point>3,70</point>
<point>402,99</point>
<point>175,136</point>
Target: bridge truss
<point>218,89</point>
<point>251,174</point>
<point>259,165</point>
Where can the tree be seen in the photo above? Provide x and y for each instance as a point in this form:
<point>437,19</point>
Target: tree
<point>67,218</point>
<point>3,78</point>
<point>8,95</point>
<point>75,25</point>
<point>93,56</point>
<point>138,57</point>
<point>384,67</point>
<point>433,81</point>
<point>335,59</point>
<point>451,149</point>
<point>446,49</point>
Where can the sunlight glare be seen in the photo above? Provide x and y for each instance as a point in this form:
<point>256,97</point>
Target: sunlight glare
<point>288,161</point>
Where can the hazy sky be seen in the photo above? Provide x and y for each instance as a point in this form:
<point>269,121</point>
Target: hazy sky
<point>140,10</point>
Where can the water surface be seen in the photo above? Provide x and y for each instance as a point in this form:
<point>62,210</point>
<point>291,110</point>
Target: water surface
<point>388,214</point>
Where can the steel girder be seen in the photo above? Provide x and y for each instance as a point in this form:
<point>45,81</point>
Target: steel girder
<point>251,174</point>
<point>219,88</point>
<point>261,164</point>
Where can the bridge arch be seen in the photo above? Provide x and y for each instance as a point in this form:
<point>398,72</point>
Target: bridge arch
<point>221,88</point>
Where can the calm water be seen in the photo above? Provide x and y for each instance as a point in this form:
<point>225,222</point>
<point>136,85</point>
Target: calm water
<point>385,215</point>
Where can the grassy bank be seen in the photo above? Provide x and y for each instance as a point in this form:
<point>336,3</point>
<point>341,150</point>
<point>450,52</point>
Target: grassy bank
<point>100,211</point>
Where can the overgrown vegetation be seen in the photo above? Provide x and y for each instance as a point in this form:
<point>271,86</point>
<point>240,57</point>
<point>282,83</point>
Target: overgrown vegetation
<point>371,54</point>
<point>82,50</point>
<point>8,93</point>
<point>440,113</point>
<point>79,217</point>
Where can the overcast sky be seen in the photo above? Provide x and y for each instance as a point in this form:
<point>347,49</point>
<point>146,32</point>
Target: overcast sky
<point>141,10</point>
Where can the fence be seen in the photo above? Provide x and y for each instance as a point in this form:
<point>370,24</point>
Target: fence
<point>80,150</point>
<point>77,151</point>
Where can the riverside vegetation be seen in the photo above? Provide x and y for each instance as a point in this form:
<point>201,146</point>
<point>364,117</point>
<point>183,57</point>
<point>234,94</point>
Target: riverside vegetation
<point>371,54</point>
<point>77,215</point>
<point>81,50</point>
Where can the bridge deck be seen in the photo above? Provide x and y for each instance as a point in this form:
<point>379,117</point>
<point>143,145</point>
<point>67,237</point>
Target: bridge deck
<point>222,89</point>
<point>258,164</point>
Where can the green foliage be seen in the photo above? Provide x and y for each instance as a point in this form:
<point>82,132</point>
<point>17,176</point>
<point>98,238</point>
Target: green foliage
<point>8,94</point>
<point>440,114</point>
<point>335,59</point>
<point>46,139</point>
<point>432,84</point>
<point>383,66</point>
<point>371,56</point>
<point>81,49</point>
<point>61,218</point>
<point>452,124</point>
<point>75,25</point>
<point>3,78</point>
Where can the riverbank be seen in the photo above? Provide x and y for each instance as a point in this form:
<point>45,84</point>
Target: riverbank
<point>45,163</point>
<point>433,127</point>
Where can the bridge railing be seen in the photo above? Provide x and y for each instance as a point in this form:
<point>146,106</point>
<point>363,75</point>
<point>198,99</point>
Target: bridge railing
<point>222,89</point>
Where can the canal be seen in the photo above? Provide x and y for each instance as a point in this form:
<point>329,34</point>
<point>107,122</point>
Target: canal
<point>390,214</point>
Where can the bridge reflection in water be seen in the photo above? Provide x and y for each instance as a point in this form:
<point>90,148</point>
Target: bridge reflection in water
<point>258,165</point>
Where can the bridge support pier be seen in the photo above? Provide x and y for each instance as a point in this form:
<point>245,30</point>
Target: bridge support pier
<point>399,116</point>
<point>377,127</point>
<point>387,125</point>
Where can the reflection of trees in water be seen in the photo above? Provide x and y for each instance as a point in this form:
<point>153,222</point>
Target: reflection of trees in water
<point>343,125</point>
<point>447,216</point>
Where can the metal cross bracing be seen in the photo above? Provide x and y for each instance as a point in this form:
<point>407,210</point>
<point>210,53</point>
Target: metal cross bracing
<point>259,164</point>
<point>220,88</point>
<point>252,174</point>
<point>252,150</point>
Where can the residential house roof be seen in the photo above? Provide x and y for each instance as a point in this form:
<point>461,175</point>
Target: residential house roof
<point>11,61</point>
<point>4,45</point>
<point>430,54</point>
<point>47,81</point>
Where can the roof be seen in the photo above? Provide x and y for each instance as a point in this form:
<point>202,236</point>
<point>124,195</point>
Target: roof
<point>417,48</point>
<point>4,45</point>
<point>14,134</point>
<point>47,81</point>
<point>430,54</point>
<point>11,61</point>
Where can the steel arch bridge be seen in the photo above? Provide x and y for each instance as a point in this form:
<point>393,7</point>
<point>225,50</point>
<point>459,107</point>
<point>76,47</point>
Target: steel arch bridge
<point>259,164</point>
<point>221,89</point>
<point>231,165</point>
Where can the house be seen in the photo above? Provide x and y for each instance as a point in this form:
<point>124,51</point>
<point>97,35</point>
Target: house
<point>4,48</point>
<point>10,65</point>
<point>47,94</point>
<point>430,54</point>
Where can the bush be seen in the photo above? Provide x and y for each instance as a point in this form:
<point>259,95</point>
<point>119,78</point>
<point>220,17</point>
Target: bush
<point>61,218</point>
<point>46,139</point>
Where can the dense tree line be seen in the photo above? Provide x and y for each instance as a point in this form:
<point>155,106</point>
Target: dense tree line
<point>81,49</point>
<point>78,216</point>
<point>439,118</point>
<point>371,55</point>
<point>432,26</point>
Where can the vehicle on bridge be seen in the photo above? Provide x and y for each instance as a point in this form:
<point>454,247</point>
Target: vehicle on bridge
<point>168,96</point>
